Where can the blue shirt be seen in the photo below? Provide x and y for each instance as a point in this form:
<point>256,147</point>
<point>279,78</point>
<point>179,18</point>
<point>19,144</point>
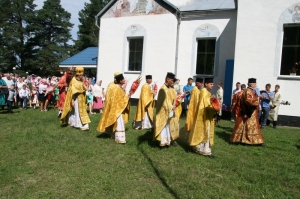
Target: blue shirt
<point>265,102</point>
<point>257,91</point>
<point>187,88</point>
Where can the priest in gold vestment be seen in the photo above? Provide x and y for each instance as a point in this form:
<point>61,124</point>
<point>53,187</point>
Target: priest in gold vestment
<point>201,136</point>
<point>166,121</point>
<point>144,114</point>
<point>193,104</point>
<point>247,128</point>
<point>74,112</point>
<point>116,111</point>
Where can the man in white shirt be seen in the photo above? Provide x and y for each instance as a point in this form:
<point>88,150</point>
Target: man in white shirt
<point>8,80</point>
<point>219,95</point>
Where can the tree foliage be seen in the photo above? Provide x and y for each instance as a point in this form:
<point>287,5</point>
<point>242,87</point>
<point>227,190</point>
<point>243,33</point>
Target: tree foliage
<point>15,20</point>
<point>34,40</point>
<point>52,34</point>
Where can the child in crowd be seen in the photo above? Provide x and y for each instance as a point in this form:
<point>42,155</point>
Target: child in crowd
<point>56,93</point>
<point>24,93</point>
<point>11,98</point>
<point>34,97</point>
<point>90,100</point>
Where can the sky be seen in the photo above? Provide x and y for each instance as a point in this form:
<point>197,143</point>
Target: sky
<point>73,7</point>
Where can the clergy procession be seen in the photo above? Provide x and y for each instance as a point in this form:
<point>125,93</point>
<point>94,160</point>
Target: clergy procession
<point>160,110</point>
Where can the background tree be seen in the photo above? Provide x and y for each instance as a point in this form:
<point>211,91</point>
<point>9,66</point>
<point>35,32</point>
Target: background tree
<point>15,30</point>
<point>52,37</point>
<point>88,32</point>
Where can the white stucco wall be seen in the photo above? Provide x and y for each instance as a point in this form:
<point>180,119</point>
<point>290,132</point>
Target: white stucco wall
<point>225,23</point>
<point>159,47</point>
<point>256,51</point>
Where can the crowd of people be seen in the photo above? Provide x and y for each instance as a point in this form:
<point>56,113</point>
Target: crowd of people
<point>40,92</point>
<point>252,109</point>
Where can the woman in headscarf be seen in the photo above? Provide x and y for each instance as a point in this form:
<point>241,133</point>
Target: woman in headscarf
<point>98,93</point>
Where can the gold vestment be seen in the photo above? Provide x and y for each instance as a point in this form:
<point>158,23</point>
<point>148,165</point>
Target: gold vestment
<point>247,128</point>
<point>164,105</point>
<point>116,103</point>
<point>192,108</point>
<point>203,125</point>
<point>76,90</point>
<point>145,104</point>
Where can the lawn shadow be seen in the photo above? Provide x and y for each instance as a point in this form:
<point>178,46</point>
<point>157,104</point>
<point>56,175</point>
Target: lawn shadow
<point>104,136</point>
<point>148,137</point>
<point>225,128</point>
<point>223,135</point>
<point>183,140</point>
<point>298,146</point>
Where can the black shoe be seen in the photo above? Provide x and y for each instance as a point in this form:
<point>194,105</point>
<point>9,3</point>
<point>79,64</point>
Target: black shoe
<point>174,144</point>
<point>274,124</point>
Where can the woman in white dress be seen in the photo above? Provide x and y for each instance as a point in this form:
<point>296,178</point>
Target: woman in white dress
<point>98,93</point>
<point>273,114</point>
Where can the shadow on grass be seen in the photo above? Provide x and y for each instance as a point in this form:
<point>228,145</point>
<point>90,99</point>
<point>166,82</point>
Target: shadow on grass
<point>223,135</point>
<point>148,137</point>
<point>229,129</point>
<point>298,146</point>
<point>104,136</point>
<point>183,140</point>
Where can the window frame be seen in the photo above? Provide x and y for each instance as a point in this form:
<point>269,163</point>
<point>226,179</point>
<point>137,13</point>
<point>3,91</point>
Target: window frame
<point>127,71</point>
<point>215,56</point>
<point>281,54</point>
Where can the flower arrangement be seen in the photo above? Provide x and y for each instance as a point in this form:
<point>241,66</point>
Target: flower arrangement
<point>215,103</point>
<point>179,98</point>
<point>155,88</point>
<point>135,85</point>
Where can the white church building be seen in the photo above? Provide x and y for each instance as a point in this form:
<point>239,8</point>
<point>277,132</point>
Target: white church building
<point>230,40</point>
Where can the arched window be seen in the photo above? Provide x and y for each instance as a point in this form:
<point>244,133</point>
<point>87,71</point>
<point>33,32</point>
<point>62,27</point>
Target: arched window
<point>134,49</point>
<point>287,57</point>
<point>205,45</point>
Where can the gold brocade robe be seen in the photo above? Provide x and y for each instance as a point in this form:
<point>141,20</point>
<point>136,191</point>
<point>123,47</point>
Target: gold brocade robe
<point>164,105</point>
<point>116,103</point>
<point>204,121</point>
<point>192,108</point>
<point>145,104</point>
<point>235,104</point>
<point>178,109</point>
<point>76,90</point>
<point>247,129</point>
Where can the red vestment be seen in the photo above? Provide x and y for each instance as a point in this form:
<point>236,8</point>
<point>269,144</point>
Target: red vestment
<point>247,128</point>
<point>62,86</point>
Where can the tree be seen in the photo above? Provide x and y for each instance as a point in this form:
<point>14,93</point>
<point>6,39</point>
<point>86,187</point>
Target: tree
<point>15,22</point>
<point>52,37</point>
<point>88,33</point>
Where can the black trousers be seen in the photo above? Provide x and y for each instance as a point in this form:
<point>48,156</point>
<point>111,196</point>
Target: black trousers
<point>9,106</point>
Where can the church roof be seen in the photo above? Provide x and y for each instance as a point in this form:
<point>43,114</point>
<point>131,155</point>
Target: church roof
<point>194,5</point>
<point>86,58</point>
<point>209,5</point>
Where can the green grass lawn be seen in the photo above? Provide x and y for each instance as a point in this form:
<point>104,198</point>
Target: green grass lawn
<point>41,159</point>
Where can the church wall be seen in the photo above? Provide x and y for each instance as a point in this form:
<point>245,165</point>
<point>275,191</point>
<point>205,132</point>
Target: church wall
<point>221,26</point>
<point>258,48</point>
<point>159,32</point>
